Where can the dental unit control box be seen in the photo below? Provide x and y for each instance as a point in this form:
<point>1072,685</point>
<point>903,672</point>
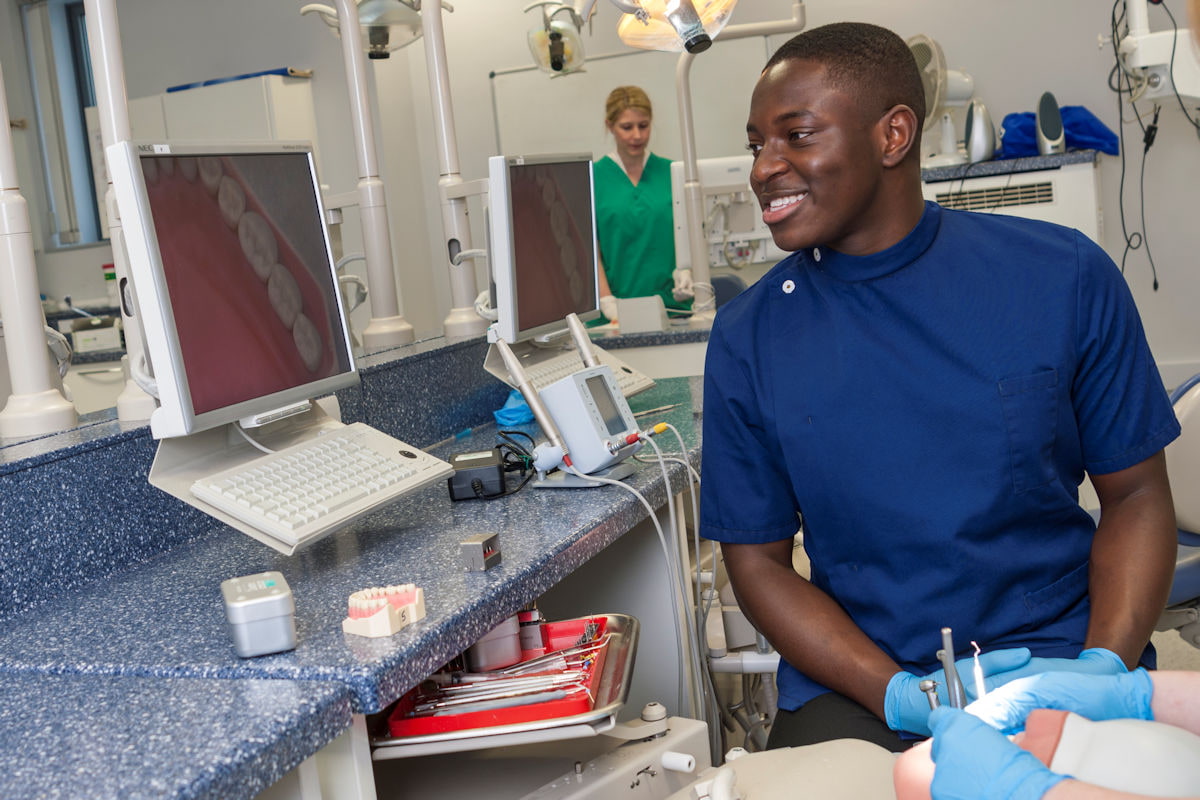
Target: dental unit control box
<point>261,614</point>
<point>593,417</point>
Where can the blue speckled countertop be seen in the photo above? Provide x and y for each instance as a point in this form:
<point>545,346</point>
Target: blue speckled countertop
<point>1008,165</point>
<point>163,617</point>
<point>124,738</point>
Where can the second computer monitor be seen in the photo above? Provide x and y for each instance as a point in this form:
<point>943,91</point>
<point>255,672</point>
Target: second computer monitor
<point>541,243</point>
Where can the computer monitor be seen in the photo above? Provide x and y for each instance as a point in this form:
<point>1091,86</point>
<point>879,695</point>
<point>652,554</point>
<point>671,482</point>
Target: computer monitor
<point>541,244</point>
<point>235,282</point>
<point>734,231</point>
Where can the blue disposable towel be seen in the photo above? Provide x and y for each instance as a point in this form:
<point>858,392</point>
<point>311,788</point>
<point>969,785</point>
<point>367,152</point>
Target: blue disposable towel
<point>515,411</point>
<point>1081,130</point>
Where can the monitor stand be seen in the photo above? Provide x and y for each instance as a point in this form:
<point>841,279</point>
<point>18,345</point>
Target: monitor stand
<point>182,460</point>
<point>569,480</point>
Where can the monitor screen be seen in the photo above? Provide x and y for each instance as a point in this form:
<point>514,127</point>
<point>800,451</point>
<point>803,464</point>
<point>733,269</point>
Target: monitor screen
<point>541,243</point>
<point>234,278</point>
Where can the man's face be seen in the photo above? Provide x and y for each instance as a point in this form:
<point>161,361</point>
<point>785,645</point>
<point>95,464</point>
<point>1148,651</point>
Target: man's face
<point>817,163</point>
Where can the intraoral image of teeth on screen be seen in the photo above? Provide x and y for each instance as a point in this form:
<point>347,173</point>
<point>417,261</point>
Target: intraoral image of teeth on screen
<point>245,265</point>
<point>550,220</point>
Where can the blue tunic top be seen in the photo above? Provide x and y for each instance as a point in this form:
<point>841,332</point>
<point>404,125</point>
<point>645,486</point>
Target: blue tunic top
<point>929,411</point>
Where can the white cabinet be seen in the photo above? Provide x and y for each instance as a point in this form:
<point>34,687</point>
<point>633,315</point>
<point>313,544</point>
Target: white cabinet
<point>265,107</point>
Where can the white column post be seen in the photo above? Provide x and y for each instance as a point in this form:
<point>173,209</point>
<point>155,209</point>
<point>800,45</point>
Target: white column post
<point>35,407</point>
<point>108,75</point>
<point>387,327</point>
<point>462,319</point>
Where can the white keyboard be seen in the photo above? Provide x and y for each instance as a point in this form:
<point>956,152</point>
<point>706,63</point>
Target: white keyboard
<point>316,486</point>
<point>568,362</point>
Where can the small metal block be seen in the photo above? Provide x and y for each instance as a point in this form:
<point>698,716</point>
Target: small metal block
<point>480,552</point>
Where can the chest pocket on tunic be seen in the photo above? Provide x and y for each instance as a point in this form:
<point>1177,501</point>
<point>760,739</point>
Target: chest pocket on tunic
<point>1030,405</point>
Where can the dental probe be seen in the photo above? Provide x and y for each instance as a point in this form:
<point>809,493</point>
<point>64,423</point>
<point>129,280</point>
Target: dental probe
<point>980,685</point>
<point>954,684</point>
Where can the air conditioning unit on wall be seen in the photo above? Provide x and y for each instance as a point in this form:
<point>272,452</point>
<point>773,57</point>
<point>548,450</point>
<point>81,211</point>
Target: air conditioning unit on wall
<point>1068,195</point>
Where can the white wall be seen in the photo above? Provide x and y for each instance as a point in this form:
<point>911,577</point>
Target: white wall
<point>1013,50</point>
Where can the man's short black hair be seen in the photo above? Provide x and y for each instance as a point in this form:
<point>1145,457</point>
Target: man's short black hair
<point>867,61</point>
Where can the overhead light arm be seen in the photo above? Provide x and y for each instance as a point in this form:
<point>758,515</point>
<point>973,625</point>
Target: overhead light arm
<point>584,8</point>
<point>697,246</point>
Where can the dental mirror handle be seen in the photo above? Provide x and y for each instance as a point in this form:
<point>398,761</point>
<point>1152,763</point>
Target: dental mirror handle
<point>583,342</point>
<point>517,373</point>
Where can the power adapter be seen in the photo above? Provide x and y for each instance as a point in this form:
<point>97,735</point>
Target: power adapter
<point>476,475</point>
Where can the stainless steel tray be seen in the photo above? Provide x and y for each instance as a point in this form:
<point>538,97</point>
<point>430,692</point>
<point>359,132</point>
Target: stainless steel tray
<point>611,692</point>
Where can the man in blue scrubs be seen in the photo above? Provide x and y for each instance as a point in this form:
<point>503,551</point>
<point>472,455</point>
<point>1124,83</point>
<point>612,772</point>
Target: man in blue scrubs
<point>925,389</point>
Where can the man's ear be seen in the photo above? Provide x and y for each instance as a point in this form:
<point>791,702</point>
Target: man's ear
<point>900,135</point>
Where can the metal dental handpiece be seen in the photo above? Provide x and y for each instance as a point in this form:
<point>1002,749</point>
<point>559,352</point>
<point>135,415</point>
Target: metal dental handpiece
<point>929,687</point>
<point>954,684</point>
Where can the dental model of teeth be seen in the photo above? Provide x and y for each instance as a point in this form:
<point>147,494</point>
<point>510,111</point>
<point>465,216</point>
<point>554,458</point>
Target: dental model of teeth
<point>384,610</point>
<point>562,230</point>
<point>258,242</point>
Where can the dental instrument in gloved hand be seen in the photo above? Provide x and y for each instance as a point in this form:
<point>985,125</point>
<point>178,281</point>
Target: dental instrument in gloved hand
<point>907,705</point>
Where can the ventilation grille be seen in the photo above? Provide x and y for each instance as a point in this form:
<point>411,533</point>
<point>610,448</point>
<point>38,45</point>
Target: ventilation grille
<point>998,197</point>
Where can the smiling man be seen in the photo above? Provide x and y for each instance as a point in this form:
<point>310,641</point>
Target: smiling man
<point>925,390</point>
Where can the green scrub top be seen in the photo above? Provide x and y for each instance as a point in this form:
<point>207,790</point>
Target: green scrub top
<point>636,230</point>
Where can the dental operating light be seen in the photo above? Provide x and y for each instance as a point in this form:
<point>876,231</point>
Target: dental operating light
<point>555,45</point>
<point>671,25</point>
<point>386,25</point>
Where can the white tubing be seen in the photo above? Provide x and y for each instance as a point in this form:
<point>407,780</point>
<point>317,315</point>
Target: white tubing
<point>744,663</point>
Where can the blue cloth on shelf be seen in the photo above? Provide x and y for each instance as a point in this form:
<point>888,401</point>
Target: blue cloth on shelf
<point>1082,130</point>
<point>515,411</point>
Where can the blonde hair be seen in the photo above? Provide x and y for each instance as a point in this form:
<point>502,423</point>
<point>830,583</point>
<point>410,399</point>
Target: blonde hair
<point>623,98</point>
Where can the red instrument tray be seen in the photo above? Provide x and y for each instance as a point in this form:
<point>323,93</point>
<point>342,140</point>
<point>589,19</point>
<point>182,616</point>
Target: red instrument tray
<point>607,684</point>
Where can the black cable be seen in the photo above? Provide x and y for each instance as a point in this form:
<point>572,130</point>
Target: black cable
<point>1135,240</point>
<point>1142,193</point>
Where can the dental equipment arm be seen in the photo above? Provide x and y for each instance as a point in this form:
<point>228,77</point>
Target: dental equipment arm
<point>1132,558</point>
<point>582,343</point>
<point>545,458</point>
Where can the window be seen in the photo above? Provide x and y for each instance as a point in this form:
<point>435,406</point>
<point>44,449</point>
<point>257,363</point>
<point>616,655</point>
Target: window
<point>61,78</point>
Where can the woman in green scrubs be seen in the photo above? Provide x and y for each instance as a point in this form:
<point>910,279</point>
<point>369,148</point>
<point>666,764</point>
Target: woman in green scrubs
<point>634,223</point>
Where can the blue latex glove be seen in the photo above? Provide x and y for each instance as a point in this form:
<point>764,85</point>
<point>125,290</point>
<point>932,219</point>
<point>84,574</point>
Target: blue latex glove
<point>906,707</point>
<point>1097,697</point>
<point>1093,661</point>
<point>974,761</point>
